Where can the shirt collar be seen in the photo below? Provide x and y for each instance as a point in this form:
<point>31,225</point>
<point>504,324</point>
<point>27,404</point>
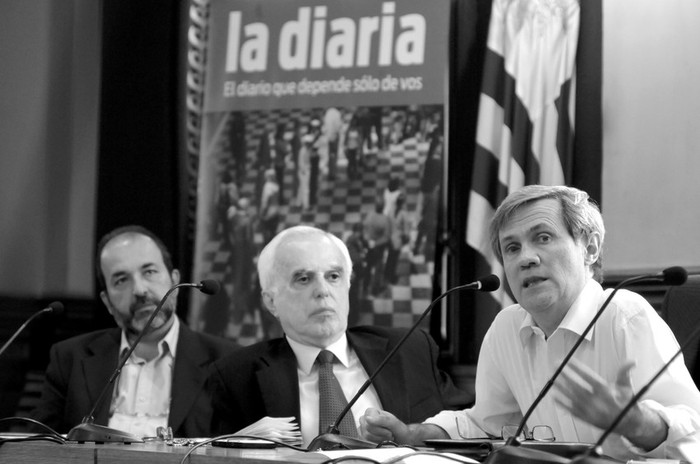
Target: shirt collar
<point>167,345</point>
<point>306,355</point>
<point>577,317</point>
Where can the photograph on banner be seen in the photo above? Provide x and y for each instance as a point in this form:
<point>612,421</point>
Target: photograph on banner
<point>330,114</point>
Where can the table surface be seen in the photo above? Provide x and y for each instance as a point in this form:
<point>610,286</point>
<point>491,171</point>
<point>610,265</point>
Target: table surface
<point>156,453</point>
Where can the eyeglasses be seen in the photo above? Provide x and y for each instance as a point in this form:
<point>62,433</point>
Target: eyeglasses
<point>538,432</point>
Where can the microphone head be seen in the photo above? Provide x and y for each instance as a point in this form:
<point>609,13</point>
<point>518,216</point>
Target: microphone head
<point>56,308</point>
<point>490,283</point>
<point>209,286</point>
<point>675,275</point>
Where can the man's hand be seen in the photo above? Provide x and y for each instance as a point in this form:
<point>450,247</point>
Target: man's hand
<point>590,398</point>
<point>378,426</point>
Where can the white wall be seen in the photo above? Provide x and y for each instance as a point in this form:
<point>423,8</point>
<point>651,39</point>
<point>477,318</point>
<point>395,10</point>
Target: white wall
<point>49,78</point>
<point>651,133</point>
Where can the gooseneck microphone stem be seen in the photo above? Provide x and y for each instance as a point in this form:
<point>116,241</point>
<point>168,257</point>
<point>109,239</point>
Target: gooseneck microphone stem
<point>488,284</point>
<point>674,276</point>
<point>122,361</point>
<point>333,428</point>
<point>54,307</point>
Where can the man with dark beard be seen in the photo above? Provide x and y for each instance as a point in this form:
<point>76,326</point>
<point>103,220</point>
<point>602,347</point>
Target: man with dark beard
<point>162,383</point>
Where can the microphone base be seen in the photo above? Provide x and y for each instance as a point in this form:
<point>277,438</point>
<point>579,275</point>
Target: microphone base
<point>334,441</point>
<point>523,455</point>
<point>88,432</point>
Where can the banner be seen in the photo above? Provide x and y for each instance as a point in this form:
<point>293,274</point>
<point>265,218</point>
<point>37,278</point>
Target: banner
<point>327,113</point>
<point>292,54</point>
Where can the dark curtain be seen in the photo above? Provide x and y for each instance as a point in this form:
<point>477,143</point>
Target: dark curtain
<point>588,145</point>
<point>138,160</point>
<point>470,30</point>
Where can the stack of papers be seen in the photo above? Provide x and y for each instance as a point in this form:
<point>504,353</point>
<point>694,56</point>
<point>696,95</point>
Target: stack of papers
<point>282,429</point>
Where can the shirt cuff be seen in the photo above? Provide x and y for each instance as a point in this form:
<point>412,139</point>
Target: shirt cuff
<point>683,439</point>
<point>447,420</point>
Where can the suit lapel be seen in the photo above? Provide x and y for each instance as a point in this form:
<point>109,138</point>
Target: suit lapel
<point>97,368</point>
<point>278,381</point>
<point>372,349</point>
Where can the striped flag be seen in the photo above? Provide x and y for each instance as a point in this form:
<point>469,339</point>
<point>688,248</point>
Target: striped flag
<point>525,128</point>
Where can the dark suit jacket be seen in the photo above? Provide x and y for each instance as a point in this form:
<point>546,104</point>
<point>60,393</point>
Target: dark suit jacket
<point>261,380</point>
<point>80,368</point>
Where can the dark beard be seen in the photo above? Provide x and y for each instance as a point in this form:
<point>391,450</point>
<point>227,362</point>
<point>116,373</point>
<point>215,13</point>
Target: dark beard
<point>166,312</point>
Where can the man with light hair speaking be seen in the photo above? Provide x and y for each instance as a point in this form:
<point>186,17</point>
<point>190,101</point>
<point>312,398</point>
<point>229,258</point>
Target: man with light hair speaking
<point>549,240</point>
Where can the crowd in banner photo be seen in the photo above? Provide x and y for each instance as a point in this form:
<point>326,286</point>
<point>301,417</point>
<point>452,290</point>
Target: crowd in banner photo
<point>371,175</point>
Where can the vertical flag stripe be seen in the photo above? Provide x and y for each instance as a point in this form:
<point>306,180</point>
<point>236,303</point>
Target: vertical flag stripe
<point>501,88</point>
<point>499,83</point>
<point>488,164</point>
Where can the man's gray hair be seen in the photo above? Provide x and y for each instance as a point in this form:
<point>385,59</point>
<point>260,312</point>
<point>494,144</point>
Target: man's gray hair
<point>580,214</point>
<point>267,261</point>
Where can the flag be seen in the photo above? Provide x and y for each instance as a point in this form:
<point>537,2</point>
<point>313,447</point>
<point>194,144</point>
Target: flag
<point>525,127</point>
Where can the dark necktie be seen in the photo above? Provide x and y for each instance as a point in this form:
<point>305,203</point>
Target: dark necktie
<point>331,397</point>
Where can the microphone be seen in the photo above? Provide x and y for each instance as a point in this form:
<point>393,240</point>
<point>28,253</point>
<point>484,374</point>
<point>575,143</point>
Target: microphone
<point>87,430</point>
<point>55,308</point>
<point>207,286</point>
<point>332,438</point>
<point>594,454</point>
<point>675,275</point>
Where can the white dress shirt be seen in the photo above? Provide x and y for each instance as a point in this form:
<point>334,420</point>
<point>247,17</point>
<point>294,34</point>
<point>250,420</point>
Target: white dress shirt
<point>141,400</point>
<point>516,361</point>
<point>350,374</point>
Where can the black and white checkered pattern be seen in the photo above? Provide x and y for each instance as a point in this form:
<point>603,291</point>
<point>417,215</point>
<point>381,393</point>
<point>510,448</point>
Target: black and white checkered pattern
<point>341,203</point>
